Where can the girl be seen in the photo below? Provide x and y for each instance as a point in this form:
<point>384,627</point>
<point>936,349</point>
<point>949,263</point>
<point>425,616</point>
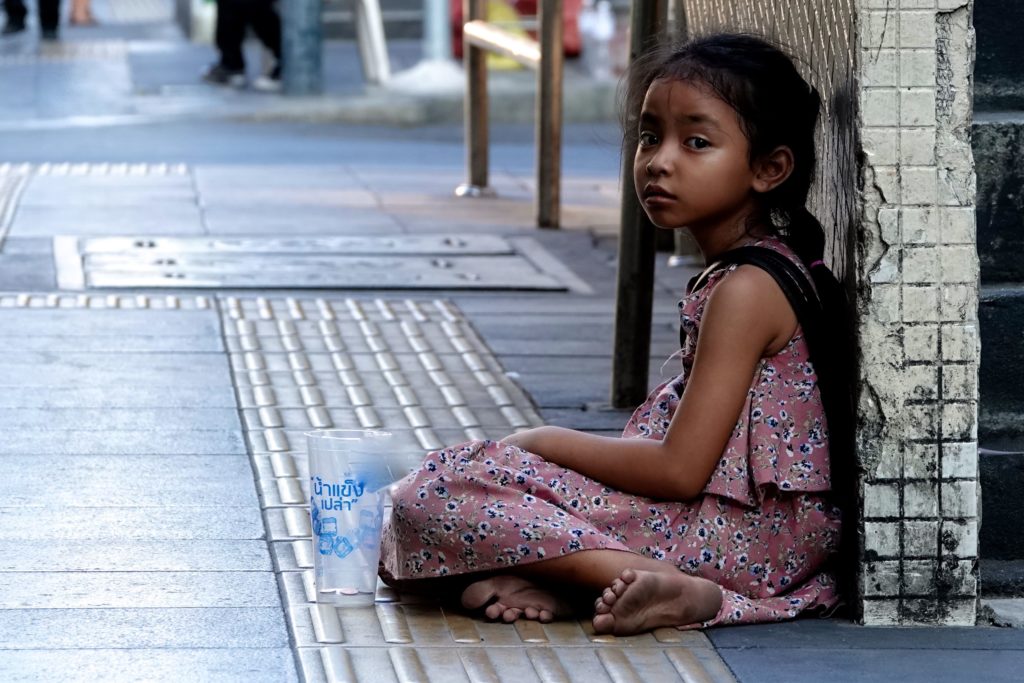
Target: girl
<point>713,507</point>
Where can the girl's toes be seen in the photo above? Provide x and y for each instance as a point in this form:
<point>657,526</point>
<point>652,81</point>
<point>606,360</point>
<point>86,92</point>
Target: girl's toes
<point>495,610</point>
<point>546,616</point>
<point>618,586</point>
<point>531,613</point>
<point>602,607</point>
<point>604,623</point>
<point>511,614</point>
<point>609,597</point>
<point>628,576</point>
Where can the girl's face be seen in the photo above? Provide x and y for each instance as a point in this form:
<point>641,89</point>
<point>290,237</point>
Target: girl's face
<point>692,166</point>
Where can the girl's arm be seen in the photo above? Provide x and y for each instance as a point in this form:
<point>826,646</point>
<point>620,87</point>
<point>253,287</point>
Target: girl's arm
<point>747,317</point>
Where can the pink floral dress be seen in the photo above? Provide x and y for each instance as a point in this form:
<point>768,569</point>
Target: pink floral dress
<point>762,528</point>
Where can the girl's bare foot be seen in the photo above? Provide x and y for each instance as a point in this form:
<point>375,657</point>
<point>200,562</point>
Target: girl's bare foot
<point>640,600</point>
<point>509,597</point>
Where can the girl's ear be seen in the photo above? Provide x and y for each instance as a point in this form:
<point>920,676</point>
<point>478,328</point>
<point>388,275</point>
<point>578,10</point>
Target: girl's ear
<point>772,169</point>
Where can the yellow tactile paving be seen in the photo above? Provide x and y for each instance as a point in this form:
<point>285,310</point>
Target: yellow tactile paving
<point>417,368</point>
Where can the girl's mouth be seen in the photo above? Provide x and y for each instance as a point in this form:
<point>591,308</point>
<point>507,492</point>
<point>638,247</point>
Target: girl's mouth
<point>655,195</point>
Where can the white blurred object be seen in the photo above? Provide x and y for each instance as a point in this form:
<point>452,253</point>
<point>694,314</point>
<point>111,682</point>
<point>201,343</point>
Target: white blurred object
<point>597,28</point>
<point>203,15</point>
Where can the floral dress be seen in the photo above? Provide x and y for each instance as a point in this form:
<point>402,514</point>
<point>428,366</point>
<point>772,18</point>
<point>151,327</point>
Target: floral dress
<point>762,529</point>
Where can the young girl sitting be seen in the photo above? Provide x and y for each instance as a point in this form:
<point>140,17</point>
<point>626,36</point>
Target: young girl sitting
<point>714,506</point>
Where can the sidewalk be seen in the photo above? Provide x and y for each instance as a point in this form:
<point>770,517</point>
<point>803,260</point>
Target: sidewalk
<point>152,519</point>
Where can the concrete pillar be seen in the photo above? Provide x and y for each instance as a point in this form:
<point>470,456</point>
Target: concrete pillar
<point>917,286</point>
<point>895,80</point>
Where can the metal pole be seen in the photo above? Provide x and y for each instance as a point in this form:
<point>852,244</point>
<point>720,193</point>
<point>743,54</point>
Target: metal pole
<point>549,114</point>
<point>373,48</point>
<point>634,293</point>
<point>680,31</point>
<point>475,109</point>
<point>302,40</point>
<point>437,37</point>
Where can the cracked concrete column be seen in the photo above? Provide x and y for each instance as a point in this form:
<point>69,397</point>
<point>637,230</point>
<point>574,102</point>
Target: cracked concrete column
<point>916,276</point>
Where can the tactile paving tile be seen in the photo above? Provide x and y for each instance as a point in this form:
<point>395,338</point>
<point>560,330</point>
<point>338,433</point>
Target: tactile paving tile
<point>416,368</point>
<point>87,169</point>
<point>126,301</point>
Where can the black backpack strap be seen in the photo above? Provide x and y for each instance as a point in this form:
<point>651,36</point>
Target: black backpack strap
<point>791,280</point>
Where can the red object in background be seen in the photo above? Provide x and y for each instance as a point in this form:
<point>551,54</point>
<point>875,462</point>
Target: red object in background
<point>571,40</point>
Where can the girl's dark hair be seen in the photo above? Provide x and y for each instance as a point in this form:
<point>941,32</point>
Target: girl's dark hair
<point>776,107</point>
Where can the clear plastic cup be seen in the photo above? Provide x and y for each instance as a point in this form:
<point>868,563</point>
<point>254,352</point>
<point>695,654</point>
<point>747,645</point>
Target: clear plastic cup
<point>348,473</point>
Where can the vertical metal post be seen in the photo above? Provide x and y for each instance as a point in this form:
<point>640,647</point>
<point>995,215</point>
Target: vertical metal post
<point>680,30</point>
<point>302,40</point>
<point>373,48</point>
<point>634,294</point>
<point>475,109</point>
<point>437,36</point>
<point>549,114</point>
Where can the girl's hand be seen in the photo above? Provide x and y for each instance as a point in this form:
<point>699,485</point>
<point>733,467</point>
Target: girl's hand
<point>528,440</point>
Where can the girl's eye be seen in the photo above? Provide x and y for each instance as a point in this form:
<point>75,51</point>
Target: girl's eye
<point>697,143</point>
<point>647,138</point>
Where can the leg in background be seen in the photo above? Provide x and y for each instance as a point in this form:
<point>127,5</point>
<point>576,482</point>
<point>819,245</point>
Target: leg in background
<point>16,12</point>
<point>266,24</point>
<point>49,17</point>
<point>230,33</point>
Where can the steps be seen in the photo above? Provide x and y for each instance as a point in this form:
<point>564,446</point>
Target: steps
<point>998,142</point>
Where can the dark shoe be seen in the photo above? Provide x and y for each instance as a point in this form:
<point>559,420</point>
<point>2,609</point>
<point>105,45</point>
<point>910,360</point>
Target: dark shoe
<point>218,74</point>
<point>12,27</point>
<point>49,34</point>
<point>270,81</point>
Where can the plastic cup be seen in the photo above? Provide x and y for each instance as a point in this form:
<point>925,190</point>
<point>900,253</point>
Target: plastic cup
<point>348,473</point>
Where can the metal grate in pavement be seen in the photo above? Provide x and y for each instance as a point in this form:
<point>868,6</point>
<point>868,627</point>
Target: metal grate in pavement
<point>11,188</point>
<point>409,262</point>
<point>417,368</point>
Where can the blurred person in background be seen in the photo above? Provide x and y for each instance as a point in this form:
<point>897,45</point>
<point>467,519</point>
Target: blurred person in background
<point>233,17</point>
<point>81,13</point>
<point>49,17</point>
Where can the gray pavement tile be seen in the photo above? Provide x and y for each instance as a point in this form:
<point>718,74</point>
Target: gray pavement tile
<point>134,556</point>
<point>142,628</point>
<point>39,246</point>
<point>108,344</point>
<point>873,665</point>
<point>85,193</point>
<point>172,219</point>
<point>299,220</point>
<point>275,198</point>
<point>177,442</point>
<point>80,322</point>
<point>839,634</point>
<point>96,369</point>
<point>278,177</point>
<point>117,419</point>
<point>27,272</point>
<point>227,521</point>
<point>93,481</point>
<point>213,665</point>
<point>81,590</point>
<point>117,396</point>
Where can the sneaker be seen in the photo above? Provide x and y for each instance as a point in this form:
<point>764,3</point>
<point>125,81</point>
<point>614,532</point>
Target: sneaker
<point>218,74</point>
<point>269,82</point>
<point>49,34</point>
<point>12,27</point>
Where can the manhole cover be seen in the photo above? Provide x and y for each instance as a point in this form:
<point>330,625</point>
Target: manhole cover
<point>405,262</point>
